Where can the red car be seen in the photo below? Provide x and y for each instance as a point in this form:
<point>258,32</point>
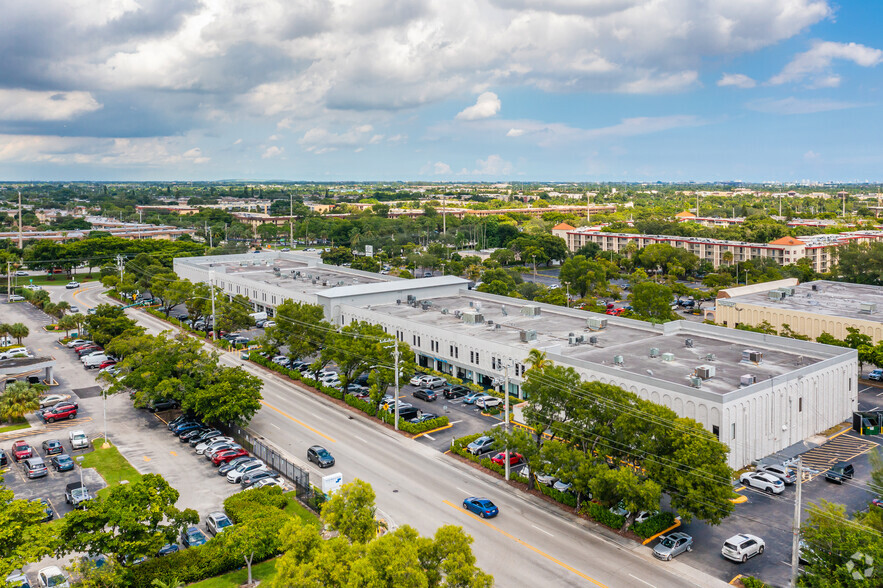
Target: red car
<point>615,311</point>
<point>88,349</point>
<point>514,458</point>
<point>79,348</point>
<point>59,412</point>
<point>107,363</point>
<point>21,450</point>
<point>227,455</point>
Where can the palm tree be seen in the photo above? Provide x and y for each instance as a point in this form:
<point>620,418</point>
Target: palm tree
<point>79,320</point>
<point>19,331</point>
<point>536,359</point>
<point>61,307</point>
<point>4,330</point>
<point>19,399</point>
<point>67,323</point>
<point>50,308</point>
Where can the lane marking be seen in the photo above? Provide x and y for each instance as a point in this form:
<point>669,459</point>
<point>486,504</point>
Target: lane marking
<point>543,531</point>
<point>275,425</point>
<point>428,436</point>
<point>301,423</point>
<point>360,439</point>
<point>455,422</point>
<point>529,546</point>
<point>461,490</point>
<point>640,580</point>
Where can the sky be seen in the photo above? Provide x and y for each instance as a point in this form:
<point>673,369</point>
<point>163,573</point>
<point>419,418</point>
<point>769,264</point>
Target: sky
<point>441,90</point>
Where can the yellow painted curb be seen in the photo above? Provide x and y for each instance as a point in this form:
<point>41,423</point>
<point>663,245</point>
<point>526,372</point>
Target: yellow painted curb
<point>739,489</point>
<point>739,500</point>
<point>734,579</point>
<point>448,426</point>
<point>835,435</point>
<point>675,526</point>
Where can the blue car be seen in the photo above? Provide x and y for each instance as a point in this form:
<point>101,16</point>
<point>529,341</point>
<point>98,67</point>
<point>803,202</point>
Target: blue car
<point>168,549</point>
<point>62,463</point>
<point>181,429</point>
<point>193,537</point>
<point>481,506</point>
<point>471,398</point>
<point>876,375</point>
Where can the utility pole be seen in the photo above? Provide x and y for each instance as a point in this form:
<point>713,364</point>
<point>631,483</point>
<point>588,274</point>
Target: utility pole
<point>506,412</point>
<point>120,266</point>
<point>396,399</point>
<point>588,208</point>
<point>210,243</point>
<point>8,281</point>
<point>795,526</point>
<point>211,290</point>
<point>290,220</point>
<point>20,240</point>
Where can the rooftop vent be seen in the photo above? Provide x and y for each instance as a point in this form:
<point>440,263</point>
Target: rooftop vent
<point>471,304</point>
<point>458,313</point>
<point>504,311</point>
<point>696,382</point>
<point>668,357</point>
<point>444,311</point>
<point>529,335</point>
<point>747,380</point>
<point>654,352</point>
<point>596,323</point>
<point>688,343</point>
<point>593,340</point>
<point>497,326</point>
<point>752,356</point>
<point>473,318</point>
<point>530,310</point>
<point>399,302</point>
<point>776,295</point>
<point>426,304</point>
<point>710,357</point>
<point>706,372</point>
<point>618,360</point>
<point>868,307</point>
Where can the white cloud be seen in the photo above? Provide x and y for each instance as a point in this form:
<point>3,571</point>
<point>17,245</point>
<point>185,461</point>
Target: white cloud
<point>319,140</point>
<point>494,165</point>
<point>487,105</point>
<point>441,168</point>
<point>272,151</point>
<point>150,152</point>
<point>737,80</point>
<point>195,156</point>
<point>820,57</point>
<point>811,155</point>
<point>45,106</point>
<point>513,132</point>
<point>793,105</point>
<point>661,83</point>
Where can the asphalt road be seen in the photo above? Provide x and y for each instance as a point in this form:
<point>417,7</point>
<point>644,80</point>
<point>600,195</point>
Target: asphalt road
<point>530,543</point>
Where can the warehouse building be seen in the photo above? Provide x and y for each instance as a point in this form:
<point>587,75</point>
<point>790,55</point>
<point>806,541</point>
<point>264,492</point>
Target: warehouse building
<point>759,394</point>
<point>808,309</point>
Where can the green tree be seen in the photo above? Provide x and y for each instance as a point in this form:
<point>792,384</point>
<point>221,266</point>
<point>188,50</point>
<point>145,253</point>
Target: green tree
<point>232,314</point>
<point>19,331</point>
<point>89,575</point>
<point>132,521</point>
<point>18,399</point>
<point>228,395</point>
<point>584,276</point>
<point>337,256</point>
<point>351,511</point>
<point>108,322</point>
<point>299,326</point>
<point>67,323</point>
<point>652,301</point>
<point>23,537</point>
<point>246,539</point>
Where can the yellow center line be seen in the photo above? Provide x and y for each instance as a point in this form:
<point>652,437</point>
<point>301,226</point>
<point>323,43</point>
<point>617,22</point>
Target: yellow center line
<point>529,546</point>
<point>302,424</point>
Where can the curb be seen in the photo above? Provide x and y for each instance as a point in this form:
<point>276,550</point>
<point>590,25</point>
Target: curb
<point>448,426</point>
<point>672,528</point>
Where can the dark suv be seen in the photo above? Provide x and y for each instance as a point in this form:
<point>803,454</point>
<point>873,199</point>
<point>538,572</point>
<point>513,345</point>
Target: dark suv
<point>840,471</point>
<point>456,392</point>
<point>159,404</point>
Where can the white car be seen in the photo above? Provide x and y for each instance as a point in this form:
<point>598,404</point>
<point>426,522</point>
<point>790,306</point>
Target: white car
<point>52,400</point>
<point>785,474</point>
<point>77,343</point>
<point>52,576</point>
<point>269,324</point>
<point>93,361</point>
<point>235,476</point>
<point>267,482</point>
<point>740,547</point>
<point>33,287</point>
<point>74,309</point>
<point>418,380</point>
<point>203,447</point>
<point>17,352</point>
<point>72,285</point>
<point>16,298</point>
<point>488,402</point>
<point>763,481</point>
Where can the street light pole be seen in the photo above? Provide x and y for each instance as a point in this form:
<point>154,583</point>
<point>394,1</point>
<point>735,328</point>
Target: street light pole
<point>534,268</point>
<point>506,412</point>
<point>795,526</point>
<point>396,399</point>
<point>211,293</point>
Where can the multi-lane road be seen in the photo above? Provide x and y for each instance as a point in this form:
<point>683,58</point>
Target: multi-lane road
<point>529,543</point>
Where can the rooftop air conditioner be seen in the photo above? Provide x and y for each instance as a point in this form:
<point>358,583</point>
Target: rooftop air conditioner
<point>593,340</point>
<point>473,318</point>
<point>471,304</point>
<point>497,326</point>
<point>868,308</point>
<point>688,343</point>
<point>530,310</point>
<point>458,313</point>
<point>596,324</point>
<point>504,311</point>
<point>444,311</point>
<point>706,372</point>
<point>529,335</point>
<point>654,352</point>
<point>710,357</point>
<point>696,382</point>
<point>571,339</point>
<point>668,357</point>
<point>618,360</point>
<point>399,302</point>
<point>752,356</point>
<point>747,380</point>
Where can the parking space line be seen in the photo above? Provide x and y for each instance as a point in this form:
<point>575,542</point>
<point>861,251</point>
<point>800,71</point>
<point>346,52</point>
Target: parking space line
<point>528,545</point>
<point>172,453</point>
<point>146,458</point>
<point>304,425</point>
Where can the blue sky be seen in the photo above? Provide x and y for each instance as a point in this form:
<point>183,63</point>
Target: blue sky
<point>441,90</point>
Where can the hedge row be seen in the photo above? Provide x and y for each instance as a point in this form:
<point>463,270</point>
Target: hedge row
<point>366,407</point>
<point>513,400</point>
<point>261,507</point>
<point>654,525</point>
<point>750,582</point>
<point>603,515</point>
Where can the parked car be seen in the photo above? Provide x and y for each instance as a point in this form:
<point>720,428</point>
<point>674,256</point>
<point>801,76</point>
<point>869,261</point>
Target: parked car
<point>562,486</point>
<point>72,285</point>
<point>488,402</point>
<point>211,452</point>
<point>204,446</point>
<point>217,522</point>
<point>229,454</point>
<point>76,493</point>
<point>62,463</point>
<point>480,445</point>
<point>168,549</point>
<point>433,382</point>
<point>741,547</point>
<point>425,394</point>
<point>184,428</point>
<point>77,343</point>
<point>252,477</point>
<point>186,436</point>
<point>514,458</point>
<point>21,450</point>
<point>78,440</point>
<point>205,435</point>
<point>53,577</point>
<point>18,579</point>
<point>92,362</point>
<point>52,400</point>
<point>52,447</point>
<point>320,456</point>
<point>16,298</point>
<point>47,509</point>
<point>3,459</point>
<point>35,467</point>
<point>418,379</point>
<point>161,404</point>
<point>106,364</point>
<point>456,392</point>
<point>59,412</point>
<point>235,476</point>
<point>193,537</point>
<point>766,482</point>
<point>788,476</point>
<point>672,545</point>
<point>267,482</point>
<point>426,416</point>
<point>840,471</point>
<point>876,375</point>
<point>481,506</point>
<point>472,397</point>
<point>225,468</point>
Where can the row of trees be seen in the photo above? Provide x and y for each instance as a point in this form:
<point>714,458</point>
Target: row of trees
<point>614,447</point>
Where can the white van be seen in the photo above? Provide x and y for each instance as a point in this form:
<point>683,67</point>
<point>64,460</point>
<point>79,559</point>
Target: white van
<point>93,361</point>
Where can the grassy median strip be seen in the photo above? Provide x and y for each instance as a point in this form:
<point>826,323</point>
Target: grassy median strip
<point>111,464</point>
<point>306,516</point>
<point>14,427</point>
<point>262,571</point>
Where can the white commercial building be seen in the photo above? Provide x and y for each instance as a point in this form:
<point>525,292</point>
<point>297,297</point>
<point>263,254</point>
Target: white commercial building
<point>758,393</point>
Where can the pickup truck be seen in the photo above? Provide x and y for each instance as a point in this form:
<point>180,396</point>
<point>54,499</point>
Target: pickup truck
<point>76,493</point>
<point>78,440</point>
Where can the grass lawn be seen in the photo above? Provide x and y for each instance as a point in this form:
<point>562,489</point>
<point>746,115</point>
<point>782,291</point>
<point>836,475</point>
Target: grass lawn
<point>296,509</point>
<point>110,463</point>
<point>262,571</point>
<point>58,279</point>
<point>15,427</point>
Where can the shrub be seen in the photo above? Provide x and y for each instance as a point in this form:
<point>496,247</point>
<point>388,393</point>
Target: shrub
<point>750,582</point>
<point>363,405</point>
<point>603,515</point>
<point>409,427</point>
<point>653,525</point>
<point>459,446</point>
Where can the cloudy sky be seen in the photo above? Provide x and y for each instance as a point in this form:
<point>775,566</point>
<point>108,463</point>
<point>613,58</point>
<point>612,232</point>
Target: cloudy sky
<point>491,90</point>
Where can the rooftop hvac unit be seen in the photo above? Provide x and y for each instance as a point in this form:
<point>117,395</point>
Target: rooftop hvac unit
<point>473,318</point>
<point>596,324</point>
<point>668,357</point>
<point>411,298</point>
<point>776,295</point>
<point>490,323</point>
<point>706,372</point>
<point>504,311</point>
<point>710,357</point>
<point>815,287</point>
<point>696,382</point>
<point>868,308</point>
<point>471,304</point>
<point>593,340</point>
<point>458,313</point>
<point>571,339</point>
<point>530,310</point>
<point>324,282</point>
<point>688,343</point>
<point>426,304</point>
<point>314,282</point>
<point>444,311</point>
<point>654,352</point>
<point>790,290</point>
<point>752,356</point>
<point>747,380</point>
<point>497,326</point>
<point>618,360</point>
<point>529,335</point>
